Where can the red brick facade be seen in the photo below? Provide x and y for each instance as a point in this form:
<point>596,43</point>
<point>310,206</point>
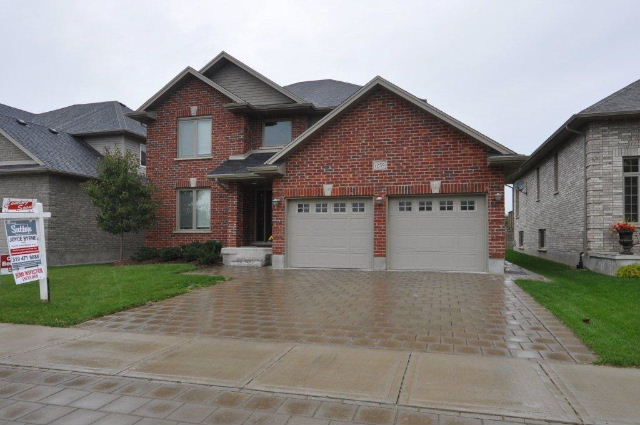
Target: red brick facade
<point>419,148</point>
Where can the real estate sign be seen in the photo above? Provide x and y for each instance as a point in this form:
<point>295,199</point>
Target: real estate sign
<point>18,205</point>
<point>5,264</point>
<point>24,250</point>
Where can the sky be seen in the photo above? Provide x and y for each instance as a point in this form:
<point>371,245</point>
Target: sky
<point>513,70</point>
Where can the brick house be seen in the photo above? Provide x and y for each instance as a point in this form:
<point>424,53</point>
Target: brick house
<point>579,182</point>
<point>322,174</point>
<point>48,155</point>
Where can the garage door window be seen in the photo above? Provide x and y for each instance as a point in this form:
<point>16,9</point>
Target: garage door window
<point>322,208</point>
<point>303,208</point>
<point>340,207</point>
<point>404,206</point>
<point>446,205</point>
<point>424,206</point>
<point>467,205</point>
<point>357,207</point>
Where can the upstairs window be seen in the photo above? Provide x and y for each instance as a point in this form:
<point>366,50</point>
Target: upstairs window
<point>631,171</point>
<point>194,137</point>
<point>537,184</point>
<point>143,155</point>
<point>276,133</point>
<point>556,173</point>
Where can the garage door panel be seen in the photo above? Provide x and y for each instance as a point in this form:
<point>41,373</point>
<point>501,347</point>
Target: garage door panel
<point>330,239</point>
<point>452,240</point>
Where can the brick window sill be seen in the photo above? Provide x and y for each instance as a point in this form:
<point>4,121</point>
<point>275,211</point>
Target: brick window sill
<point>193,158</point>
<point>204,231</point>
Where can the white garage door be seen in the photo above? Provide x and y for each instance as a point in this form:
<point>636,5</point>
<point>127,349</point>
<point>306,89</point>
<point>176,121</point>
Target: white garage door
<point>330,233</point>
<point>446,233</point>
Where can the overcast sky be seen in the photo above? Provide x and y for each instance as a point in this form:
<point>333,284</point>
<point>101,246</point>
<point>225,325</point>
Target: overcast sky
<point>514,70</point>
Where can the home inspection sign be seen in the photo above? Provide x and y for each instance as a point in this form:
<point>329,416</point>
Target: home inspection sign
<point>24,227</point>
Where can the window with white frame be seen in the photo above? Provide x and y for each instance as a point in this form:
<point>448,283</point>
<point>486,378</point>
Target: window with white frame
<point>467,205</point>
<point>556,173</point>
<point>143,155</point>
<point>357,207</point>
<point>276,133</point>
<point>542,238</point>
<point>322,207</point>
<point>340,207</point>
<point>631,171</point>
<point>446,205</point>
<point>303,208</point>
<point>425,206</point>
<point>537,184</point>
<point>194,137</point>
<point>517,202</point>
<point>194,209</point>
<point>404,206</point>
<point>521,238</point>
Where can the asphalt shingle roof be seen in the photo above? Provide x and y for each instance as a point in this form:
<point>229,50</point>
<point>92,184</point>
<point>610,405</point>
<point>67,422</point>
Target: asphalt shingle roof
<point>240,166</point>
<point>15,112</point>
<point>59,152</point>
<point>323,93</point>
<point>626,99</point>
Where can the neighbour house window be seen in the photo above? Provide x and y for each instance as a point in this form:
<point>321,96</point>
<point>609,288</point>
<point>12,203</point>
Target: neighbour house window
<point>194,209</point>
<point>357,207</point>
<point>143,155</point>
<point>424,206</point>
<point>517,202</point>
<point>467,205</point>
<point>446,205</point>
<point>556,177</point>
<point>537,184</point>
<point>521,238</point>
<point>542,243</point>
<point>303,208</point>
<point>277,133</point>
<point>404,206</point>
<point>340,207</point>
<point>631,171</point>
<point>194,137</point>
<point>322,208</point>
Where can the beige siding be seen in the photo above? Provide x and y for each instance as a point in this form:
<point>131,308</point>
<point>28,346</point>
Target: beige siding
<point>104,143</point>
<point>10,152</point>
<point>246,86</point>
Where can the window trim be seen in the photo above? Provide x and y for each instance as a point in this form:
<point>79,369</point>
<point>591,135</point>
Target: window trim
<point>516,201</point>
<point>193,212</point>
<point>196,156</point>
<point>262,142</point>
<point>634,175</point>
<point>537,184</point>
<point>556,174</point>
<point>145,155</point>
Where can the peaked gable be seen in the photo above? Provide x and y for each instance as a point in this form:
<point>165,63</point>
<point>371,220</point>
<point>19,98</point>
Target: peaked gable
<point>381,82</point>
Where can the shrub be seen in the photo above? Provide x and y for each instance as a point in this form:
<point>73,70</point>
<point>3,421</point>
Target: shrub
<point>192,251</point>
<point>170,254</point>
<point>630,271</point>
<point>210,253</point>
<point>145,254</point>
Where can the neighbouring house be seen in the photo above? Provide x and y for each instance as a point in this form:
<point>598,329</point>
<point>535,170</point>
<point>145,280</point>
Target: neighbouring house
<point>322,174</point>
<point>579,182</point>
<point>47,156</point>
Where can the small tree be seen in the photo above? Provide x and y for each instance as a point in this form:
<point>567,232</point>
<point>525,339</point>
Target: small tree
<point>122,196</point>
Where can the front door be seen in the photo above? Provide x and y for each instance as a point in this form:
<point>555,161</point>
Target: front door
<point>263,215</point>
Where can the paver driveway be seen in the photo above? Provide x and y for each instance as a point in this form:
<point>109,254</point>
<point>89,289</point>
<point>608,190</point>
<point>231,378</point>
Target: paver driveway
<point>475,314</point>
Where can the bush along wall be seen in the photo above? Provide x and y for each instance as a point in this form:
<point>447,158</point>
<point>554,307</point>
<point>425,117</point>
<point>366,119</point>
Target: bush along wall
<point>205,253</point>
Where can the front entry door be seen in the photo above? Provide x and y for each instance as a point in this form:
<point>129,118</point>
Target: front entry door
<point>263,215</point>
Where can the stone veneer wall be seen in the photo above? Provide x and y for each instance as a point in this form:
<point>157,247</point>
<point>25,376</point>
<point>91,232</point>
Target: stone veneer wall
<point>607,143</point>
<point>562,214</point>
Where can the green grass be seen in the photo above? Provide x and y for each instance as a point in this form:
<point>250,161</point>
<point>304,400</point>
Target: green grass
<point>79,293</point>
<point>612,305</point>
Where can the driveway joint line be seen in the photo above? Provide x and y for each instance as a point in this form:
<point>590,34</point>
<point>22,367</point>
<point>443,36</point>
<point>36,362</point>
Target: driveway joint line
<point>267,367</point>
<point>557,383</point>
<point>404,375</point>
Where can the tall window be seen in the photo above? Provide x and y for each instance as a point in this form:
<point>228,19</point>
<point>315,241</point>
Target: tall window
<point>194,137</point>
<point>194,209</point>
<point>556,177</point>
<point>631,171</point>
<point>517,202</point>
<point>537,184</point>
<point>143,155</point>
<point>542,234</point>
<point>277,133</point>
<point>521,238</point>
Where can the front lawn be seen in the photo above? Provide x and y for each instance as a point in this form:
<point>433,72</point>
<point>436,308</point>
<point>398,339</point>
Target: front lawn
<point>612,305</point>
<point>79,293</point>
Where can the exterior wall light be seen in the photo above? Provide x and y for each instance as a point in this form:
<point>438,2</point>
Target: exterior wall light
<point>275,202</point>
<point>379,200</point>
<point>499,196</point>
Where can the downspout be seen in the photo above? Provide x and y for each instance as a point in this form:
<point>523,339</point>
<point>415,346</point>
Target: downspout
<point>584,233</point>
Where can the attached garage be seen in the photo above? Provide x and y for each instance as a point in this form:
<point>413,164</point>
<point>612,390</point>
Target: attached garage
<point>442,233</point>
<point>330,233</point>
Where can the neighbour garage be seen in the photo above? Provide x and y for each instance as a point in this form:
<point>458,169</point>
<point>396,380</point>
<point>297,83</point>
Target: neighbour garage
<point>330,233</point>
<point>444,233</point>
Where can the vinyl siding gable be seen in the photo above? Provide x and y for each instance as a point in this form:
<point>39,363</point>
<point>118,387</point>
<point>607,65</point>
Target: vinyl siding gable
<point>246,86</point>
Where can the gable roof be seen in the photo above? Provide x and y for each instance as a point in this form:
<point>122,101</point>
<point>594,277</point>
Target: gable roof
<point>623,103</point>
<point>323,93</point>
<point>185,73</point>
<point>381,82</point>
<point>15,112</point>
<point>59,152</point>
<point>226,57</point>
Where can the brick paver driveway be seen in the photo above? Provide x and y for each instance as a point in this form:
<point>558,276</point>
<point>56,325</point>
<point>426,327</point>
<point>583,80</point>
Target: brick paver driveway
<point>474,314</point>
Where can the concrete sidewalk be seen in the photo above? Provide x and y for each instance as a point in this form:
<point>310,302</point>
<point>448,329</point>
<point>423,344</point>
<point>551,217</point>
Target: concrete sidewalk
<point>512,389</point>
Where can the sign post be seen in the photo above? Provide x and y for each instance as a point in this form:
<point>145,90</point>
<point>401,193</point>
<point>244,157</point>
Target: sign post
<point>24,227</point>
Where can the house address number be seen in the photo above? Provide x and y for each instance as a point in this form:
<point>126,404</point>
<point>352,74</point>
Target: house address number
<point>380,165</point>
